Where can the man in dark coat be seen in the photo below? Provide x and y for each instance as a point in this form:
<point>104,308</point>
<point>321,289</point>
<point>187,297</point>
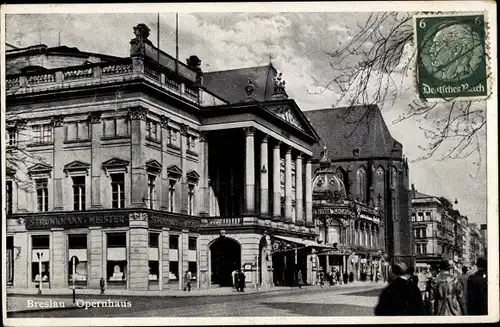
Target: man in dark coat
<point>346,277</point>
<point>401,297</point>
<point>447,292</point>
<point>462,279</point>
<point>351,277</point>
<point>477,290</point>
<point>413,277</point>
<point>241,276</point>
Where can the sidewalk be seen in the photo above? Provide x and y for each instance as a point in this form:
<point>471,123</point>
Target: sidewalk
<point>213,291</point>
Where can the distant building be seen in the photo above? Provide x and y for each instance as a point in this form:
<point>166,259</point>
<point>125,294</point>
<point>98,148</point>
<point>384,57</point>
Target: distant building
<point>477,242</point>
<point>433,228</point>
<point>357,149</point>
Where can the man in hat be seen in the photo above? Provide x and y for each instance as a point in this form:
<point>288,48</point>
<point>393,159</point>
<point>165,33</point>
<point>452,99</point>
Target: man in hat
<point>447,292</point>
<point>401,297</point>
<point>477,290</point>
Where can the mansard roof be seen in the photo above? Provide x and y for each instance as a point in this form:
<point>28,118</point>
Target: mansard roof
<point>230,84</point>
<point>353,132</point>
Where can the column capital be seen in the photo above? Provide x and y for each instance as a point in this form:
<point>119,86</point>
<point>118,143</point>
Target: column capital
<point>265,138</point>
<point>299,156</point>
<point>57,121</point>
<point>203,137</point>
<point>164,120</point>
<point>137,113</point>
<point>288,149</point>
<point>277,144</point>
<point>249,131</point>
<point>95,117</point>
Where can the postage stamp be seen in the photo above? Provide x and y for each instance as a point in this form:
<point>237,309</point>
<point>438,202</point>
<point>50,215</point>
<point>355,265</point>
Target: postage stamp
<point>451,56</point>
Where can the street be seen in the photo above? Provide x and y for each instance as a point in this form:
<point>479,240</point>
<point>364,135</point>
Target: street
<point>326,301</point>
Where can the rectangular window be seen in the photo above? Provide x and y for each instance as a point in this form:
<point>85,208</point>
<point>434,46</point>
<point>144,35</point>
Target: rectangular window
<point>424,233</point>
<point>40,245</point>
<point>78,193</point>
<point>191,143</point>
<point>116,127</point>
<point>77,131</point>
<point>116,265</point>
<point>174,270</point>
<point>413,217</point>
<point>153,240</point>
<point>42,194</point>
<point>118,191</point>
<point>42,133</point>
<point>193,268</point>
<point>173,137</point>
<point>171,196</point>
<point>77,247</point>
<point>173,242</point>
<point>420,216</point>
<point>192,243</point>
<point>152,129</point>
<point>12,137</point>
<point>151,191</point>
<point>8,194</point>
<point>154,270</point>
<point>191,199</point>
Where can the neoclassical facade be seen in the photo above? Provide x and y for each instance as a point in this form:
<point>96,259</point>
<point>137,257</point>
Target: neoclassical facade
<point>134,170</point>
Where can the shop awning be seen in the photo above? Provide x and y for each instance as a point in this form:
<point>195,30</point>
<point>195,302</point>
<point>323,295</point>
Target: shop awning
<point>301,243</point>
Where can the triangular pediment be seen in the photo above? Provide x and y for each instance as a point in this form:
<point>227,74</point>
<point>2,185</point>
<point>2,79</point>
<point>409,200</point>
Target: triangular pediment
<point>289,112</point>
<point>174,171</point>
<point>115,162</point>
<point>76,166</point>
<point>153,165</point>
<point>192,176</point>
<point>40,167</point>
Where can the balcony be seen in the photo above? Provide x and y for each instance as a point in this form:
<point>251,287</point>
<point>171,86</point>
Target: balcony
<point>99,74</point>
<point>222,221</point>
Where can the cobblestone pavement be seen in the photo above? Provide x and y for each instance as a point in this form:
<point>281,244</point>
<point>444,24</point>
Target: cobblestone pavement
<point>327,301</point>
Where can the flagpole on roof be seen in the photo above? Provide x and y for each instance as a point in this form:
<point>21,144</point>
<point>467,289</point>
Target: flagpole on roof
<point>158,41</point>
<point>177,43</point>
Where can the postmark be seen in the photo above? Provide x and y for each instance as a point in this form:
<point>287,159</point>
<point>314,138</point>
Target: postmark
<point>451,56</point>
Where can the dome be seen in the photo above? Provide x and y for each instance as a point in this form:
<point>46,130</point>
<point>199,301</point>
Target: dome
<point>328,184</point>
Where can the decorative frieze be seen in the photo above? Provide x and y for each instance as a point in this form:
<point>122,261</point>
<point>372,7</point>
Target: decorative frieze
<point>164,120</point>
<point>138,216</point>
<point>57,121</point>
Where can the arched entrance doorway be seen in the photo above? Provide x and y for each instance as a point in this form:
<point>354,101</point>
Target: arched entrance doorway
<point>225,257</point>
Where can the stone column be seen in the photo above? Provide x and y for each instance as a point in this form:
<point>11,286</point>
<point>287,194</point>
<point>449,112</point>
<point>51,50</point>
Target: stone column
<point>58,261</point>
<point>165,163</point>
<point>95,166</point>
<point>21,260</point>
<point>288,185</point>
<point>183,193</point>
<point>264,177</point>
<point>58,174</point>
<point>276,180</point>
<point>205,192</point>
<point>137,117</point>
<point>165,257</point>
<point>96,257</point>
<point>249,171</point>
<point>138,252</point>
<point>309,216</point>
<point>299,210</point>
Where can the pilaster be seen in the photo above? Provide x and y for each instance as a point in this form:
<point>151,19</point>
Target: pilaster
<point>58,174</point>
<point>96,270</point>
<point>58,259</point>
<point>96,153</point>
<point>138,251</point>
<point>288,185</point>
<point>276,180</point>
<point>308,191</point>
<point>137,117</point>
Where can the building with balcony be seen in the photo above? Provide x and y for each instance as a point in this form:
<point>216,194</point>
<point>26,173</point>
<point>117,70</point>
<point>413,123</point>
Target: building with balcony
<point>477,243</point>
<point>433,228</point>
<point>144,167</point>
<point>357,147</point>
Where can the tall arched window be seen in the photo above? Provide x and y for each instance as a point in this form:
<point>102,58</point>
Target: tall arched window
<point>361,184</point>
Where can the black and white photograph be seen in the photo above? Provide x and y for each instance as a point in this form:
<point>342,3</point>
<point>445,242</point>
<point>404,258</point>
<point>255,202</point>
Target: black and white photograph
<point>249,163</point>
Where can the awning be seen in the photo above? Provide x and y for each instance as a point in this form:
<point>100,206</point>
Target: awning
<point>297,243</point>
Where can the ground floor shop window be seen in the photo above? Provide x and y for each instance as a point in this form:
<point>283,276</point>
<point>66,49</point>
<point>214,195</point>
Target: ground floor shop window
<point>77,247</point>
<point>10,261</point>
<point>153,263</point>
<point>116,267</point>
<point>193,268</point>
<point>40,258</point>
<point>174,271</point>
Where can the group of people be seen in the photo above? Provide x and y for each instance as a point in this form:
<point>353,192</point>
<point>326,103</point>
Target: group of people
<point>446,293</point>
<point>239,280</point>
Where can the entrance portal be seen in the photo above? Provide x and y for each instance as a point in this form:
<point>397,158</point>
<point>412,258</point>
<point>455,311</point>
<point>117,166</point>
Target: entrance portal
<point>225,257</point>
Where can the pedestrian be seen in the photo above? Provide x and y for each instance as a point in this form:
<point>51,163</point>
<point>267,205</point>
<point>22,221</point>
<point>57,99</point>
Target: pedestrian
<point>338,275</point>
<point>351,277</point>
<point>233,278</point>
<point>346,277</point>
<point>300,281</point>
<point>187,281</point>
<point>462,279</point>
<point>237,280</point>
<point>477,290</point>
<point>401,297</point>
<point>102,284</point>
<point>413,278</point>
<point>321,278</point>
<point>242,277</point>
<point>447,291</point>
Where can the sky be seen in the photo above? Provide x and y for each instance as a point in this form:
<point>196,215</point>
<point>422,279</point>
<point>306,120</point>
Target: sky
<point>298,44</point>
